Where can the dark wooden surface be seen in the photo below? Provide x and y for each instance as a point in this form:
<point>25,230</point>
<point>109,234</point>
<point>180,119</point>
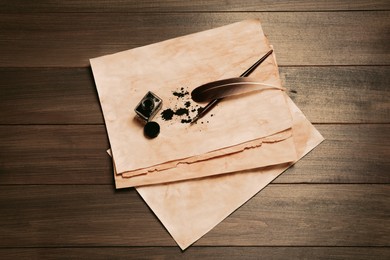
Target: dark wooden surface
<point>57,198</point>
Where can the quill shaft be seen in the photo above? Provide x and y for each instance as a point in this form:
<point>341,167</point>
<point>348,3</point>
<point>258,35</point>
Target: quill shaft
<point>254,66</point>
<point>214,102</point>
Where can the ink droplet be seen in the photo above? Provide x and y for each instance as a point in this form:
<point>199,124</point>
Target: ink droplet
<point>184,109</point>
<point>181,111</point>
<point>180,94</point>
<point>167,114</point>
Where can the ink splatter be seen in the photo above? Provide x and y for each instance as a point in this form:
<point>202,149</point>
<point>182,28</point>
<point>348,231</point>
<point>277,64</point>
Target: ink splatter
<point>186,121</point>
<point>183,109</point>
<point>167,114</point>
<point>181,93</point>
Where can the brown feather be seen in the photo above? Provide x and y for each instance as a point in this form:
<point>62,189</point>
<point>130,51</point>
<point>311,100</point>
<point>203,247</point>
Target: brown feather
<point>228,87</point>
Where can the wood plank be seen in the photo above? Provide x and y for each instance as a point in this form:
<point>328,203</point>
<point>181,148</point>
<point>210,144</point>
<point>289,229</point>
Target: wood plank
<point>48,96</point>
<point>76,155</point>
<point>275,253</point>
<point>331,204</point>
<point>331,215</point>
<point>300,38</point>
<point>54,155</point>
<point>96,215</point>
<point>340,94</point>
<point>349,154</point>
<point>60,6</point>
<point>68,95</point>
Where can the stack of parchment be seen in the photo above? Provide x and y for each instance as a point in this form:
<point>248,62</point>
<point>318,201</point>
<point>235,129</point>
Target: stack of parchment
<point>202,172</point>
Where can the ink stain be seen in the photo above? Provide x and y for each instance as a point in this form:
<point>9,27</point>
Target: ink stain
<point>183,108</point>
<point>181,93</point>
<point>186,121</point>
<point>167,114</point>
<point>181,111</point>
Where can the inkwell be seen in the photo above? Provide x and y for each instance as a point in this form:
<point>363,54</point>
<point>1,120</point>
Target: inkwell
<point>146,109</point>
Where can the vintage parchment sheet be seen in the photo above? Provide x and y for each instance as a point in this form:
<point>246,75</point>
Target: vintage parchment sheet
<point>266,139</point>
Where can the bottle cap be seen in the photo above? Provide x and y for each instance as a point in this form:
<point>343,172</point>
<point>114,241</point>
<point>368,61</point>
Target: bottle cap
<point>152,129</point>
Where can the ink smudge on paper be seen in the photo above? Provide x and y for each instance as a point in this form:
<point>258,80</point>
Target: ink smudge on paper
<point>167,114</point>
<point>181,111</point>
<point>181,93</point>
<point>184,109</point>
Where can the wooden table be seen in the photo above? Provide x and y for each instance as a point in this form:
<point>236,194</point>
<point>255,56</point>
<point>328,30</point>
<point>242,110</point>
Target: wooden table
<point>57,198</point>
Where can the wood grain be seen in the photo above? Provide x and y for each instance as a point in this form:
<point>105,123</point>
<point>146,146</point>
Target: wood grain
<point>300,38</point>
<point>68,95</point>
<point>349,154</point>
<point>340,94</point>
<point>97,215</point>
<point>48,96</point>
<point>59,6</point>
<point>57,198</point>
<point>76,155</point>
<point>54,154</point>
<point>358,253</point>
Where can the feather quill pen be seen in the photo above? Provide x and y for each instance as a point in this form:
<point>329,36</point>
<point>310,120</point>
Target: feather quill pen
<point>234,88</point>
<point>227,88</point>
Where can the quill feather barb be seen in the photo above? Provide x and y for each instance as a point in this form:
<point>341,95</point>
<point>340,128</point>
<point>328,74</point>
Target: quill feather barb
<point>227,88</point>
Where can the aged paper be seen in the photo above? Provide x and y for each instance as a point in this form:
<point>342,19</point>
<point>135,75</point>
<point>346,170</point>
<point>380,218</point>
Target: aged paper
<point>276,149</point>
<point>243,162</point>
<point>122,79</point>
<point>189,209</point>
